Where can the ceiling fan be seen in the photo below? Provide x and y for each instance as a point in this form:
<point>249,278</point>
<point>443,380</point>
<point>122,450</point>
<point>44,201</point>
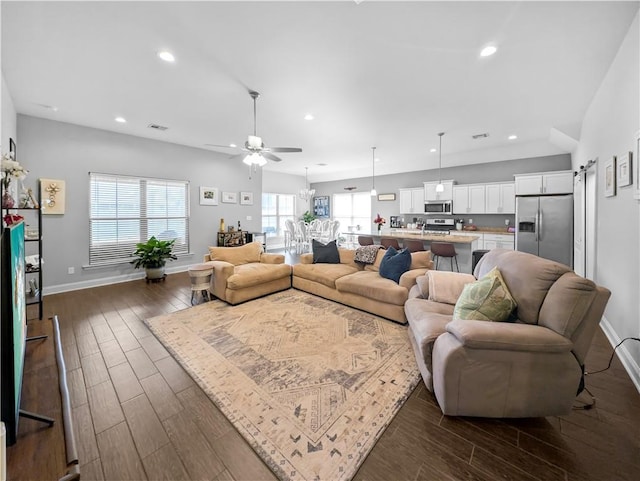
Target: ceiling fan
<point>254,150</point>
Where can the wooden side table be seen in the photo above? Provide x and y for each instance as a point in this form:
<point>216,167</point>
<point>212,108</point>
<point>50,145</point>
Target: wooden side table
<point>200,275</point>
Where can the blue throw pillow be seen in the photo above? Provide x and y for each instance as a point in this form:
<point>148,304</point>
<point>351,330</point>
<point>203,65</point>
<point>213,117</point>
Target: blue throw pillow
<point>395,263</point>
<point>325,253</point>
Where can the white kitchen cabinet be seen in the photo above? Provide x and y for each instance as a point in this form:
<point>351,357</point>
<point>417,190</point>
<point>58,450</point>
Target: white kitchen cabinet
<point>500,198</point>
<point>469,199</point>
<point>430,193</point>
<point>412,201</point>
<point>498,241</point>
<point>559,182</point>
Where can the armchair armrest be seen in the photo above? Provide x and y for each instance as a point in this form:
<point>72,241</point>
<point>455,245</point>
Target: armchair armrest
<point>271,258</point>
<point>221,272</point>
<point>408,279</point>
<point>503,336</point>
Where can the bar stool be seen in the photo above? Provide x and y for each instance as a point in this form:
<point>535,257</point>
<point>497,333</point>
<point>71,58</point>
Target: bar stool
<point>413,245</point>
<point>444,249</point>
<point>365,240</point>
<point>475,257</point>
<point>200,275</point>
<point>387,242</point>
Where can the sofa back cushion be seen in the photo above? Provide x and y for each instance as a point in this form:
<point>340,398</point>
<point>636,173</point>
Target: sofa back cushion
<point>527,277</point>
<point>419,260</point>
<point>237,255</point>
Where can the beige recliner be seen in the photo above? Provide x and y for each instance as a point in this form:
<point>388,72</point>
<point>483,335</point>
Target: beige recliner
<point>246,272</point>
<point>529,368</point>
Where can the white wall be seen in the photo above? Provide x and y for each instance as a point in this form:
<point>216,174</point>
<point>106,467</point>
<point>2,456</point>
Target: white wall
<point>8,125</point>
<point>608,129</point>
<point>58,150</point>
<point>285,184</point>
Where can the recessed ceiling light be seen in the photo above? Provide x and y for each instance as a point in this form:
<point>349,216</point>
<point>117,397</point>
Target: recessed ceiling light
<point>512,137</point>
<point>488,51</point>
<point>232,145</point>
<point>433,150</point>
<point>121,120</point>
<point>166,56</point>
<point>322,165</point>
<point>309,117</point>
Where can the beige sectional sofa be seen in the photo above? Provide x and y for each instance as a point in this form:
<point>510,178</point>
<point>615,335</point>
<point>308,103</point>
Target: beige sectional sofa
<point>528,368</point>
<point>360,286</point>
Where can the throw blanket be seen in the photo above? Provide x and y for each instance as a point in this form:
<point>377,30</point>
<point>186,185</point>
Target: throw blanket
<point>366,254</point>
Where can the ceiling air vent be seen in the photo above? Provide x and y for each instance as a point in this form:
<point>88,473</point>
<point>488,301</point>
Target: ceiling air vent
<point>480,136</point>
<point>157,127</point>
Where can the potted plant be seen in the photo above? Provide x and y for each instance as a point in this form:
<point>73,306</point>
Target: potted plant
<point>308,217</point>
<point>153,255</point>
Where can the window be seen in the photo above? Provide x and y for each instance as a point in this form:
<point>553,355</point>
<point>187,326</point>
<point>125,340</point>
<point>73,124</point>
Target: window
<point>353,210</point>
<point>127,210</point>
<point>276,209</point>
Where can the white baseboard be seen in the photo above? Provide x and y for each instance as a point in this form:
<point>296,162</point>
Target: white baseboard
<point>630,365</point>
<point>104,281</point>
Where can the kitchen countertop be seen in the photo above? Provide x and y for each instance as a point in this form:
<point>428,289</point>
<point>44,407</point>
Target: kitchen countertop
<point>416,234</point>
<point>479,230</point>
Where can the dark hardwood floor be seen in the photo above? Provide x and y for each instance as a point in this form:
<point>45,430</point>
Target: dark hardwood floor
<point>139,416</point>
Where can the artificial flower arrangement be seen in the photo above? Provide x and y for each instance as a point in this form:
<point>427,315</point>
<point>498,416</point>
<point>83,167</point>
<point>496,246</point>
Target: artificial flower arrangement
<point>11,169</point>
<point>380,221</point>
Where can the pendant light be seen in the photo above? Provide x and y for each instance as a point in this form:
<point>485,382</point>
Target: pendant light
<point>373,172</point>
<point>440,186</point>
<point>306,193</point>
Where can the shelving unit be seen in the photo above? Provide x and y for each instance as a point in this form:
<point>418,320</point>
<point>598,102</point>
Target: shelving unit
<point>33,246</point>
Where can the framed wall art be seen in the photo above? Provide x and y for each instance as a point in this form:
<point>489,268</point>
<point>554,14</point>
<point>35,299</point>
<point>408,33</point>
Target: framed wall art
<point>623,170</point>
<point>230,197</point>
<point>321,206</point>
<point>610,177</point>
<point>246,198</point>
<point>384,197</point>
<point>52,193</point>
<point>208,195</point>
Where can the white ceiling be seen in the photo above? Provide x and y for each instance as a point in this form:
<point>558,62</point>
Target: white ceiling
<point>384,74</point>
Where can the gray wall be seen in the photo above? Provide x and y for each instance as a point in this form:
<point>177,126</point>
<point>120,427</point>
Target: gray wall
<point>608,129</point>
<point>8,125</point>
<point>469,174</point>
<point>69,152</point>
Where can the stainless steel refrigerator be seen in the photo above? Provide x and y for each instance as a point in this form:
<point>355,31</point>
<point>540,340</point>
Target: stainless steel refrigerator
<point>544,227</point>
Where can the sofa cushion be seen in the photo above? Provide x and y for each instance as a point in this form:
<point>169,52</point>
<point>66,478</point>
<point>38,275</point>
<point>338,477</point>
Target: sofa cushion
<point>323,273</point>
<point>487,299</point>
<point>325,253</point>
<point>447,286</point>
<point>372,286</point>
<point>237,255</point>
<point>255,273</point>
<point>395,263</point>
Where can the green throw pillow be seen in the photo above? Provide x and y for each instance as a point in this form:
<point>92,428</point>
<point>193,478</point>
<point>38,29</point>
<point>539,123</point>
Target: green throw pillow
<point>487,299</point>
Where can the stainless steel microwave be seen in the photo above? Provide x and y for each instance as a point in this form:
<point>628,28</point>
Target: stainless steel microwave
<point>437,207</point>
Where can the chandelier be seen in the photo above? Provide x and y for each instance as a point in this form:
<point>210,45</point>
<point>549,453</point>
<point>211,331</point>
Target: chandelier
<point>306,193</point>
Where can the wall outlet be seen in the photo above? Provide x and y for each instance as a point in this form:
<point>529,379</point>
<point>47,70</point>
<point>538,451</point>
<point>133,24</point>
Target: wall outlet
<point>506,222</point>
<point>71,270</point>
<point>249,217</point>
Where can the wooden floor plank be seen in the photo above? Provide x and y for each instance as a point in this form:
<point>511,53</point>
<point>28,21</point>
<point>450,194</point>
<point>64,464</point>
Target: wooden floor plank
<point>161,396</point>
<point>200,460</point>
<point>125,382</point>
<point>165,465</point>
<point>148,434</point>
<point>85,435</point>
<point>120,460</point>
<point>173,373</point>
<point>94,369</point>
<point>112,353</point>
<point>141,364</point>
<point>153,348</point>
<point>105,407</point>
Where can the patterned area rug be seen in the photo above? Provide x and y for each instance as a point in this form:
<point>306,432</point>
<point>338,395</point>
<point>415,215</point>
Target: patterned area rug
<point>309,383</point>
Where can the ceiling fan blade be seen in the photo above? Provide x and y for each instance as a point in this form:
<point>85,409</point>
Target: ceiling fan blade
<point>285,149</point>
<point>269,156</point>
<point>220,146</point>
<point>238,156</point>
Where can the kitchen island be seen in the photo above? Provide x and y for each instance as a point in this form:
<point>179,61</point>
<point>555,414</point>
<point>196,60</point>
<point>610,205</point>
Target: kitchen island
<point>464,245</point>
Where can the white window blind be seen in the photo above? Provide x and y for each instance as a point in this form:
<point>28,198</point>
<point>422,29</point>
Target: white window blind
<point>127,210</point>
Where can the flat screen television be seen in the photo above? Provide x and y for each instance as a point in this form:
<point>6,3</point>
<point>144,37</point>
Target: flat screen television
<point>13,326</point>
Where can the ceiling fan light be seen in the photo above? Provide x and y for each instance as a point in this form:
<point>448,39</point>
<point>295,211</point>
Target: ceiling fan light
<point>254,142</point>
<point>255,159</point>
